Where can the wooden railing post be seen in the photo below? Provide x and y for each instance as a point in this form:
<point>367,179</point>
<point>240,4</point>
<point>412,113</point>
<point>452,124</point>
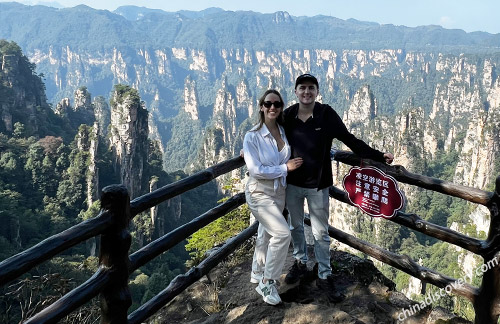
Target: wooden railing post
<point>487,303</point>
<point>115,299</point>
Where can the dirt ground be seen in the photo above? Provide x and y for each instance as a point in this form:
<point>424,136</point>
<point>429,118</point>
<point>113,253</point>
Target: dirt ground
<point>227,296</point>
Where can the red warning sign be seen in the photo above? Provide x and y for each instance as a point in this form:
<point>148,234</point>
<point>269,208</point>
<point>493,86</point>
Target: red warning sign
<point>374,192</point>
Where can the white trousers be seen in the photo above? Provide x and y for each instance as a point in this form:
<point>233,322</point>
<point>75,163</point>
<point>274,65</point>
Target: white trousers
<point>273,234</point>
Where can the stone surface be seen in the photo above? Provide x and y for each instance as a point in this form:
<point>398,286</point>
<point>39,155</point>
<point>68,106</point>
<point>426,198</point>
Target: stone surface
<point>230,298</point>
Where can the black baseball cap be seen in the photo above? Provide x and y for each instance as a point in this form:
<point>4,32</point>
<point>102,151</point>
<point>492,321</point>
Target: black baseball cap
<point>306,77</point>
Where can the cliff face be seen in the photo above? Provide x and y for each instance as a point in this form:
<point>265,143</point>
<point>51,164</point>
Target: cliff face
<point>128,140</point>
<point>22,93</point>
<point>463,121</point>
<point>418,105</point>
<point>449,89</point>
<point>129,151</point>
<point>80,112</point>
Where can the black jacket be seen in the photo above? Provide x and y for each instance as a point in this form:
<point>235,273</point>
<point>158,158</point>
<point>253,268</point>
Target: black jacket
<point>313,140</point>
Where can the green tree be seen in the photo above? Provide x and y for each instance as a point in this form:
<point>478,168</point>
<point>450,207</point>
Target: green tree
<point>19,130</point>
<point>20,225</point>
<point>62,162</point>
<point>11,171</point>
<point>138,287</point>
<point>91,212</point>
<point>156,283</point>
<point>217,232</point>
<point>70,191</point>
<point>34,166</point>
<point>53,210</point>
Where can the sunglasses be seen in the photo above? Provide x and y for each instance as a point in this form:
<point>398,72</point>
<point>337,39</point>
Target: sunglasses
<point>277,104</point>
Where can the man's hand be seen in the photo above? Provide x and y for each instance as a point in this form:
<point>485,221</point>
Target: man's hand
<point>388,157</point>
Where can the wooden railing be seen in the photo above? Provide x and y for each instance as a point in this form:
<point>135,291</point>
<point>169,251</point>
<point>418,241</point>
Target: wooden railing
<point>110,281</point>
<point>485,299</point>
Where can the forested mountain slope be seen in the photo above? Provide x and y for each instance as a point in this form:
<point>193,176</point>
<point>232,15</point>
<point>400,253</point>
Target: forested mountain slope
<point>53,165</point>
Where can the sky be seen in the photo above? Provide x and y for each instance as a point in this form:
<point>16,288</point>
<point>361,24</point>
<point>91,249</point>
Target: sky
<point>468,15</point>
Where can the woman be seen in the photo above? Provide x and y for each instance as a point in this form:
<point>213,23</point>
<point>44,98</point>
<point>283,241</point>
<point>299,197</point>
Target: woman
<point>267,156</point>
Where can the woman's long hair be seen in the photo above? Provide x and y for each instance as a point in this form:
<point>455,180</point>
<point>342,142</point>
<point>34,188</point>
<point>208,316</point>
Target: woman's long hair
<point>280,120</point>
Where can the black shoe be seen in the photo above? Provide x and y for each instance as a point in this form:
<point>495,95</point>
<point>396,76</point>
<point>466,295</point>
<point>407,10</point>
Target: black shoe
<point>297,270</point>
<point>328,287</point>
<point>311,275</point>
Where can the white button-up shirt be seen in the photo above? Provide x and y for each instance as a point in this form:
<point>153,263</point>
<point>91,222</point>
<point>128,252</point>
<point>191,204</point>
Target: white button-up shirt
<point>262,157</point>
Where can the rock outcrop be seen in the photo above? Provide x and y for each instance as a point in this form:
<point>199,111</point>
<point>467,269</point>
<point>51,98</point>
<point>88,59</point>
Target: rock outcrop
<point>227,296</point>
<point>129,138</point>
<point>22,93</point>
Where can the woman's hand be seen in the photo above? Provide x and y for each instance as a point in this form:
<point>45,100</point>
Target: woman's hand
<point>293,164</point>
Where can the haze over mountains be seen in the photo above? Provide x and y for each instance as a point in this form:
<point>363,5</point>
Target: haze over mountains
<point>223,28</point>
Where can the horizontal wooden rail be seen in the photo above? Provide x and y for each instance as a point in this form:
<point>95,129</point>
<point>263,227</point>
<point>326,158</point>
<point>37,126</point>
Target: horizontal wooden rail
<point>418,224</point>
<point>20,263</point>
<point>181,282</point>
<point>94,285</point>
<point>160,245</point>
<point>159,195</point>
<point>401,174</point>
<point>74,299</point>
<point>403,263</point>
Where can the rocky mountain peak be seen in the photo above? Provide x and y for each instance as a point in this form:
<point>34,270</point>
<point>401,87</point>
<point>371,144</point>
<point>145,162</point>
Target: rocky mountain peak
<point>10,63</point>
<point>282,17</point>
<point>83,100</point>
<point>190,99</point>
<point>362,109</point>
<point>62,107</point>
<point>102,115</point>
<point>129,135</point>
<point>81,112</point>
<point>22,92</point>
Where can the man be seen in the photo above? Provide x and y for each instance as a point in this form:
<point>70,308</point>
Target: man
<point>310,128</point>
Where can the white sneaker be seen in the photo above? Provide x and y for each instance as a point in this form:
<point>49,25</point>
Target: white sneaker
<point>255,277</point>
<point>269,292</point>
